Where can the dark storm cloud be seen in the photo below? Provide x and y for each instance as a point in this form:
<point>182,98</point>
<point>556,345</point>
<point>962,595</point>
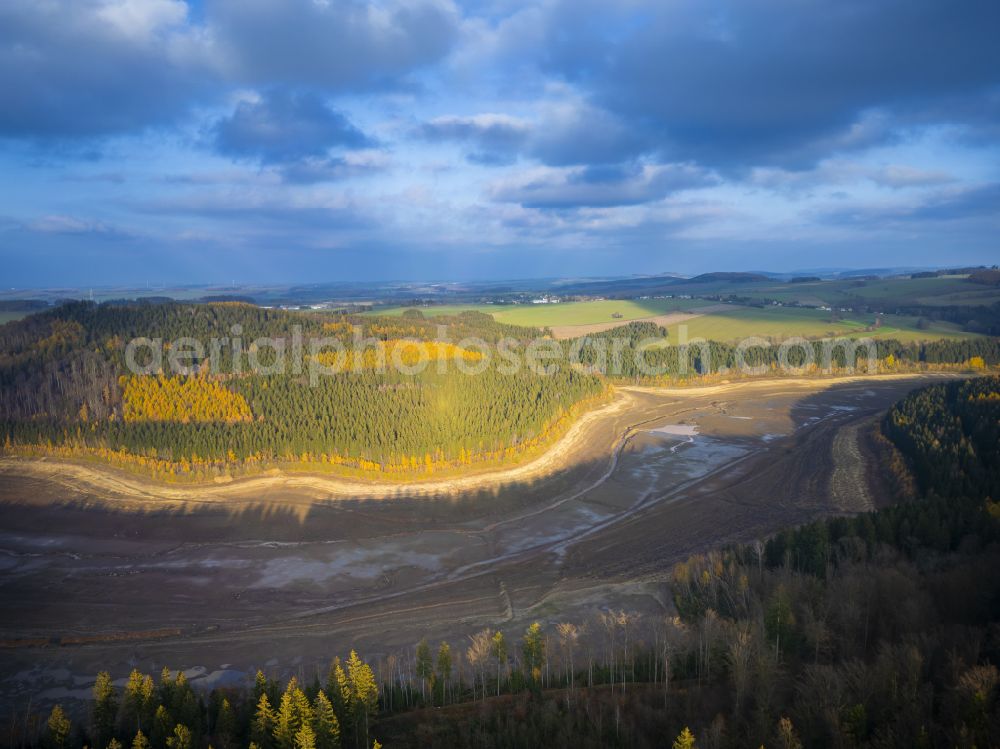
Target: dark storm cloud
<point>982,201</point>
<point>285,126</point>
<point>778,81</point>
<point>570,135</point>
<point>71,69</point>
<point>603,187</point>
<point>341,44</point>
<point>973,202</point>
<point>86,68</point>
<point>584,134</point>
<point>495,138</point>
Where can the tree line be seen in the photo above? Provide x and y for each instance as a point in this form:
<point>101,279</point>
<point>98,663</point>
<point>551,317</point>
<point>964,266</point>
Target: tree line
<point>643,351</point>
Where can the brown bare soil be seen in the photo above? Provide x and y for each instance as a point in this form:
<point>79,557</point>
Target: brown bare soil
<point>848,481</point>
<point>282,572</point>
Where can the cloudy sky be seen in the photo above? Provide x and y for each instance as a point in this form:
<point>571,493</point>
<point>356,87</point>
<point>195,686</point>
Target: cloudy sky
<point>310,140</point>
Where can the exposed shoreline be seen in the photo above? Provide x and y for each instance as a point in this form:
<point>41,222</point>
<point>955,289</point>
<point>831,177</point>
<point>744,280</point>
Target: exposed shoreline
<point>222,577</point>
<point>120,488</point>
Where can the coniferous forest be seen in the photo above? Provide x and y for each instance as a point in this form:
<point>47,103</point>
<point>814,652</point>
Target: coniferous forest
<point>878,630</point>
<point>69,388</point>
<point>65,389</point>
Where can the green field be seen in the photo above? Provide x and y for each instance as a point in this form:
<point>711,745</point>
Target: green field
<point>784,322</point>
<point>943,290</point>
<point>9,316</point>
<point>565,313</point>
<point>729,325</point>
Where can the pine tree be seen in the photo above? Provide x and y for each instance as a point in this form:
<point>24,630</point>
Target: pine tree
<point>293,712</point>
<point>140,741</point>
<point>264,723</point>
<point>338,689</point>
<point>364,690</point>
<point>304,738</point>
<point>105,708</point>
<point>58,727</point>
<point>225,725</point>
<point>326,725</point>
<point>685,740</point>
<point>138,697</point>
<point>259,686</point>
<point>163,726</point>
<point>166,686</point>
<point>285,726</point>
<point>181,738</point>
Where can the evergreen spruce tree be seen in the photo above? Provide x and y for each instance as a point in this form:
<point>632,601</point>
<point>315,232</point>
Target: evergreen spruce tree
<point>259,686</point>
<point>225,726</point>
<point>338,689</point>
<point>325,723</point>
<point>105,708</point>
<point>163,726</point>
<point>138,698</point>
<point>181,738</point>
<point>364,691</point>
<point>305,738</point>
<point>58,726</point>
<point>285,726</point>
<point>263,727</point>
<point>685,740</point>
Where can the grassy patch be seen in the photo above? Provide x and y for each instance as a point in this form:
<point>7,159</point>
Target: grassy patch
<point>784,322</point>
<point>566,313</point>
<point>6,317</point>
<point>732,324</point>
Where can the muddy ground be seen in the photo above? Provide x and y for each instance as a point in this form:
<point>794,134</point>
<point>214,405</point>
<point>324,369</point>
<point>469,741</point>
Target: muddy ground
<point>283,574</point>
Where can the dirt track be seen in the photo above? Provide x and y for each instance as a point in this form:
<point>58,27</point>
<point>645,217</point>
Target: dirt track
<point>283,572</point>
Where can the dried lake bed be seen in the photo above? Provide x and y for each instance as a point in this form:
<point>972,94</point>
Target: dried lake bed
<point>282,576</point>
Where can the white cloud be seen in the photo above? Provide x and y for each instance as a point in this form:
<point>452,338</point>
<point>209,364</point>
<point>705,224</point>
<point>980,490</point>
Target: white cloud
<point>139,19</point>
<point>62,224</point>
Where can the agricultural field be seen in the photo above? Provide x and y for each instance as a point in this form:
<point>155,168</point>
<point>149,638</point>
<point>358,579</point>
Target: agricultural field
<point>6,317</point>
<point>943,290</point>
<point>738,322</point>
<point>706,319</point>
<point>566,313</point>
